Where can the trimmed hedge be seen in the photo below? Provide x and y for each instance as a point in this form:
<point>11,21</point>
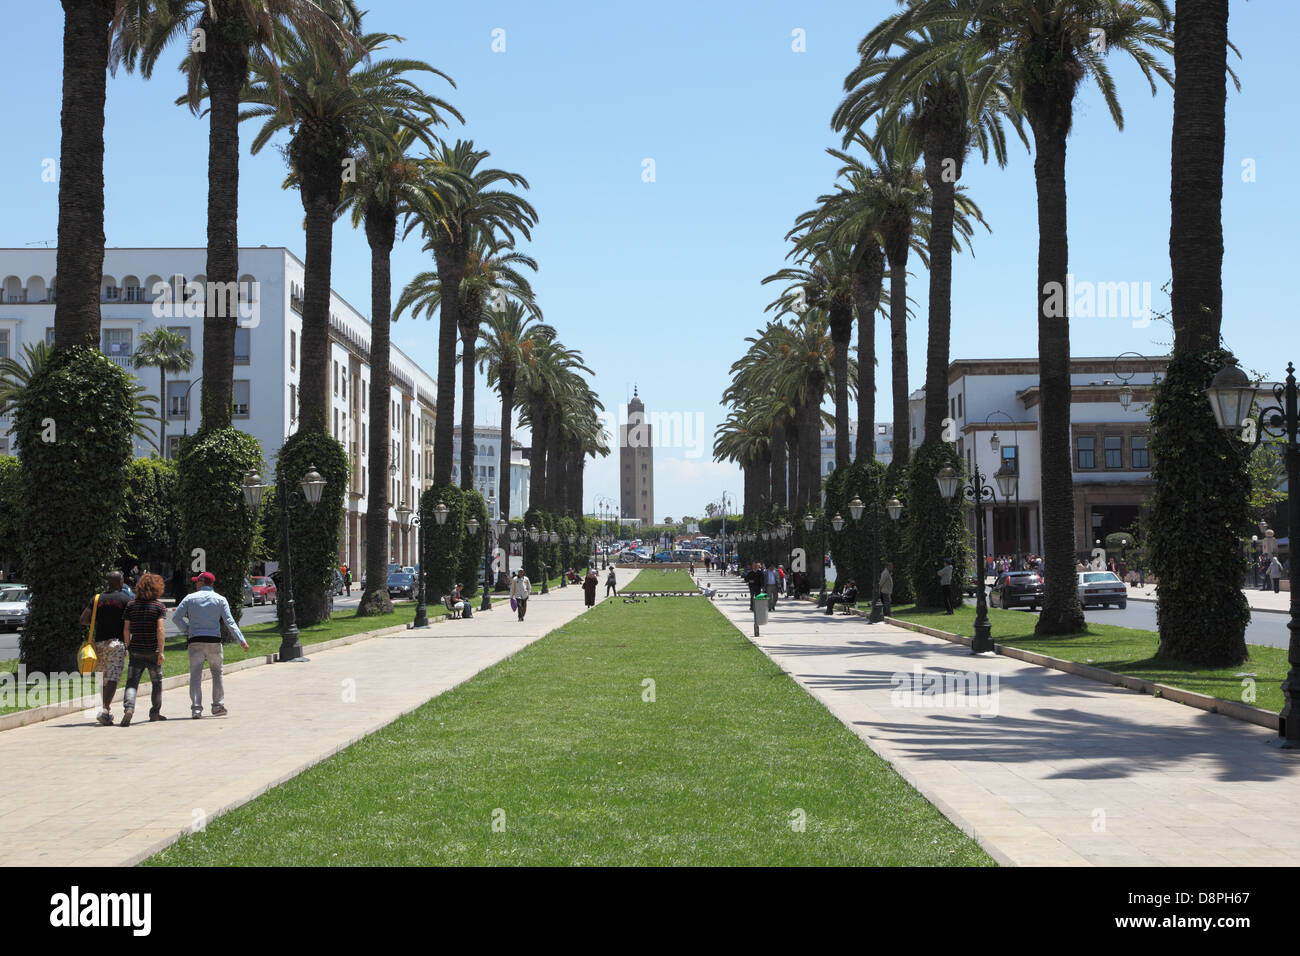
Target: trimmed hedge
<point>471,551</point>
<point>11,509</point>
<point>851,545</point>
<point>151,522</point>
<point>444,544</point>
<point>1198,516</point>
<point>313,531</point>
<point>935,527</point>
<point>74,425</point>
<point>217,527</point>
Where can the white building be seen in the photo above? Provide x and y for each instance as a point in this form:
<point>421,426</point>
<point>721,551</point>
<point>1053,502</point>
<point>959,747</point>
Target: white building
<point>487,461</point>
<point>884,438</point>
<point>143,289</point>
<point>1108,442</point>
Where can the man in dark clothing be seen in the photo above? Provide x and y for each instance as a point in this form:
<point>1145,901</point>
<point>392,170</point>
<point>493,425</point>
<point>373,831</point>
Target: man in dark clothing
<point>849,595</point>
<point>755,579</point>
<point>107,609</point>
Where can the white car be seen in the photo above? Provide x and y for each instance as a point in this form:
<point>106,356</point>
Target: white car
<point>1102,587</point>
<point>13,606</point>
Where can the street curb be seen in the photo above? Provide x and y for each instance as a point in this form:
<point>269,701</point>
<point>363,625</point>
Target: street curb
<point>1253,609</point>
<point>35,715</point>
<point>1213,705</point>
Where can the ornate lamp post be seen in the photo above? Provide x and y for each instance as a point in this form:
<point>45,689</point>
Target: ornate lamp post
<point>996,445</point>
<point>810,522</point>
<point>976,491</point>
<point>312,485</point>
<point>1232,396</point>
<point>894,509</point>
<point>411,519</point>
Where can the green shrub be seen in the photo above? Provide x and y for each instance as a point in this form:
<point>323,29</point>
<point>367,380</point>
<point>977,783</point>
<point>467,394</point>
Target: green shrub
<point>313,531</point>
<point>894,534</point>
<point>851,545</point>
<point>74,425</point>
<point>11,509</point>
<point>217,527</point>
<point>474,545</point>
<point>443,547</point>
<point>151,520</point>
<point>935,527</point>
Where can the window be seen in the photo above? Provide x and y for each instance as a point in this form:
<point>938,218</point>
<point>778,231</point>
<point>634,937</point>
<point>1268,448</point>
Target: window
<point>336,423</point>
<point>363,479</point>
<point>1084,445</point>
<point>183,331</point>
<point>241,398</point>
<point>1011,458</point>
<point>1114,451</point>
<point>117,342</point>
<point>345,386</point>
<point>111,293</point>
<point>1138,447</point>
<point>49,336</point>
<point>4,344</point>
<point>336,378</point>
<point>293,402</point>
<point>242,343</point>
<point>177,399</point>
<point>492,471</point>
<point>173,446</point>
<point>363,394</point>
<point>364,446</point>
<point>293,349</point>
<point>134,293</point>
<point>960,409</point>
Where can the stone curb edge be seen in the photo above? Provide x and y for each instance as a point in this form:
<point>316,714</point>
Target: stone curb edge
<point>35,715</point>
<point>1213,705</point>
<point>1253,609</point>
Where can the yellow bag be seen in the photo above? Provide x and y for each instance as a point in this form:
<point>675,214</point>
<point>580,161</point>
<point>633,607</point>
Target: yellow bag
<point>87,659</point>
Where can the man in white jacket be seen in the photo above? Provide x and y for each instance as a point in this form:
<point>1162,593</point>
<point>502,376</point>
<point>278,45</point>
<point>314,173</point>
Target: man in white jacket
<point>520,588</point>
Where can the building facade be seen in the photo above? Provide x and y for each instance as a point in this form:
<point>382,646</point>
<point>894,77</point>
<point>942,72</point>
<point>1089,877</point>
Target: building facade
<point>148,288</point>
<point>883,437</point>
<point>1109,445</point>
<point>636,464</point>
<point>487,462</point>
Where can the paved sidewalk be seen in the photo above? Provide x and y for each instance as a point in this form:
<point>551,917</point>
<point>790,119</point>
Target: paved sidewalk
<point>1066,771</point>
<point>75,793</point>
<point>1257,599</point>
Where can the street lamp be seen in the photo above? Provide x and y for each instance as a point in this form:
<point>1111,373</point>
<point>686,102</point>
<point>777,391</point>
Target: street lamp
<point>894,509</point>
<point>312,485</point>
<point>1232,396</point>
<point>409,519</point>
<point>975,491</point>
<point>996,445</point>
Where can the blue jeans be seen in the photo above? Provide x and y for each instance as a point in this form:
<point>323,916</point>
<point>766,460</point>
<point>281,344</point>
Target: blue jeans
<point>135,669</point>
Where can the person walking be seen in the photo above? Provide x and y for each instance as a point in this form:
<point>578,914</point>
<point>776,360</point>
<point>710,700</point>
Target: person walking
<point>589,585</point>
<point>754,578</point>
<point>611,584</point>
<point>143,633</point>
<point>347,581</point>
<point>1275,574</point>
<point>200,616</point>
<point>520,588</point>
<point>769,579</point>
<point>106,611</point>
<point>887,586</point>
<point>780,578</point>
<point>945,584</point>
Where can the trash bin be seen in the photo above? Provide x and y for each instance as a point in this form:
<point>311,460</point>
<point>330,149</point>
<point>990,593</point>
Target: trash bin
<point>759,606</point>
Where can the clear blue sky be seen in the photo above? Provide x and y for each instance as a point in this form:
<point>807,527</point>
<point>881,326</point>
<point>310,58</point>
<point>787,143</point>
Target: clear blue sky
<point>658,283</point>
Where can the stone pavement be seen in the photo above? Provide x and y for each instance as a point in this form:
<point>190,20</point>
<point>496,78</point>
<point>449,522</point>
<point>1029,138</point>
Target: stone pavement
<point>1064,771</point>
<point>75,793</point>
<point>1257,599</point>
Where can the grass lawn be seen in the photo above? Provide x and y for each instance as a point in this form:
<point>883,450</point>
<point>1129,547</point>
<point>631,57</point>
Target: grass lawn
<point>1125,650</point>
<point>653,579</point>
<point>559,747</point>
<point>264,639</point>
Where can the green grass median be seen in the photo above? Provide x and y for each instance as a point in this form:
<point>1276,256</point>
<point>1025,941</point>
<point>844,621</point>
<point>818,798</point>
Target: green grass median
<point>658,579</point>
<point>1124,650</point>
<point>641,734</point>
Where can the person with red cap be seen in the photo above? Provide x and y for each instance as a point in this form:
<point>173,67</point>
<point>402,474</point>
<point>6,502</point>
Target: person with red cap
<point>200,616</point>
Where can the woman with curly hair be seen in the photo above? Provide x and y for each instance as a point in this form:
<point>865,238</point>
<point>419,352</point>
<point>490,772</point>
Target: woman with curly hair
<point>143,632</point>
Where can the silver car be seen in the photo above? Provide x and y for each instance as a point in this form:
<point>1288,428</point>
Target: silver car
<point>1103,588</point>
<point>13,606</point>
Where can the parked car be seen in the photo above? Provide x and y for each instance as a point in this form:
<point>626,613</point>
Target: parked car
<point>401,584</point>
<point>264,590</point>
<point>1103,588</point>
<point>13,606</point>
<point>249,596</point>
<point>1017,589</point>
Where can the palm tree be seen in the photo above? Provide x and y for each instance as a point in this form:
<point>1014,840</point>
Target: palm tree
<point>389,184</point>
<point>805,366</point>
<point>508,338</point>
<point>544,381</point>
<point>167,351</point>
<point>952,103</point>
<point>1045,49</point>
<point>329,111</point>
<point>483,206</point>
<point>221,38</point>
<point>491,275</point>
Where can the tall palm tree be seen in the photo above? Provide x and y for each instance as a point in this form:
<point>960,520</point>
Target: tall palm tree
<point>221,38</point>
<point>166,351</point>
<point>389,184</point>
<point>508,338</point>
<point>805,366</point>
<point>1045,49</point>
<point>482,205</point>
<point>544,381</point>
<point>491,277</point>
<point>953,101</point>
<point>328,112</point>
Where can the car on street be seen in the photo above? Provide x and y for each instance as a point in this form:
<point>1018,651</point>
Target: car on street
<point>401,584</point>
<point>1017,589</point>
<point>249,597</point>
<point>1102,588</point>
<point>264,590</point>
<point>13,606</point>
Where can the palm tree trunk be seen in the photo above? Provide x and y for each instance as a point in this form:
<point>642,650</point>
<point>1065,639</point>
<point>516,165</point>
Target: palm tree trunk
<point>1061,612</point>
<point>841,322</point>
<point>810,447</point>
<point>793,493</point>
<point>451,267</point>
<point>381,232</point>
<point>537,462</point>
<point>943,190</point>
<point>79,261</point>
<point>763,488</point>
<point>314,376</point>
<point>555,464</point>
<point>226,69</point>
<point>507,384</point>
<point>780,488</point>
<point>898,348</point>
<point>867,287</point>
<point>468,447</point>
<point>162,409</point>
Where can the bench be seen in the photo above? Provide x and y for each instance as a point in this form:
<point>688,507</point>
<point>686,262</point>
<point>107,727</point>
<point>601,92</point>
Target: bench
<point>450,605</point>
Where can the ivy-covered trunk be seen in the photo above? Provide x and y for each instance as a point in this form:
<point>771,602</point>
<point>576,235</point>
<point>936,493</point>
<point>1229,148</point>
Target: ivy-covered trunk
<point>79,259</point>
<point>897,253</point>
<point>443,544</point>
<point>381,233</point>
<point>468,340</point>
